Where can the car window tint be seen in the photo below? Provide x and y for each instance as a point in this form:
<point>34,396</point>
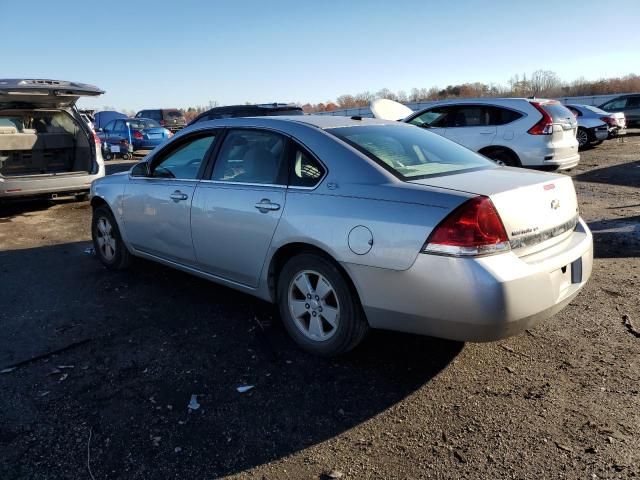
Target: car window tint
<point>575,111</point>
<point>306,171</point>
<point>616,104</point>
<point>185,161</point>
<point>250,156</point>
<point>119,125</point>
<point>109,126</point>
<point>436,117</point>
<point>471,116</point>
<point>633,102</point>
<point>502,116</point>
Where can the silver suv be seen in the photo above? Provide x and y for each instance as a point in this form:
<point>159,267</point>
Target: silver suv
<point>45,146</point>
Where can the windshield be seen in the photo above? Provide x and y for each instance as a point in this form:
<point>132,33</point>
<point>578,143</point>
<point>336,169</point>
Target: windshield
<point>411,153</point>
<point>597,110</point>
<point>143,123</point>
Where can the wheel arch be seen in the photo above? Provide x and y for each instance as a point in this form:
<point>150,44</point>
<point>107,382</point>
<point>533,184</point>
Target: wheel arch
<point>500,148</point>
<point>287,251</point>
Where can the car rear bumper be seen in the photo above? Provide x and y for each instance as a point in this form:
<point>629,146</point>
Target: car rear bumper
<point>479,299</point>
<point>41,185</point>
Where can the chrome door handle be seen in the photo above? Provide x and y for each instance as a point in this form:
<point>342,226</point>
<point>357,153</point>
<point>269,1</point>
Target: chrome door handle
<point>178,195</point>
<point>265,205</point>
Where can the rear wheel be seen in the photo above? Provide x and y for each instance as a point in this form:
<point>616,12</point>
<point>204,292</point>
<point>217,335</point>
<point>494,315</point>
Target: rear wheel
<point>318,307</point>
<point>107,241</point>
<point>583,138</point>
<point>504,158</point>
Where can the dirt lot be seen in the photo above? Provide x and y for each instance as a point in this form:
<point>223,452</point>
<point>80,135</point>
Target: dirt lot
<point>560,401</point>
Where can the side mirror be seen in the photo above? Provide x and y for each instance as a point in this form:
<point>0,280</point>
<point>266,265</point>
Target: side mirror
<point>141,170</point>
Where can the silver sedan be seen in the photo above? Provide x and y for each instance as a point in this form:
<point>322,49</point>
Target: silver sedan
<point>351,224</point>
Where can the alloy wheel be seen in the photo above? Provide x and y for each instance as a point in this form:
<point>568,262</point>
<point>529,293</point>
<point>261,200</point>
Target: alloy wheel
<point>105,239</point>
<point>314,305</point>
<point>582,138</point>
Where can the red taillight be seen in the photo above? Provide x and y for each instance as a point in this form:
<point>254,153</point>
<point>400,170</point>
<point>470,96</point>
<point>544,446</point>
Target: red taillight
<point>96,138</point>
<point>545,125</point>
<point>474,228</point>
<point>137,135</point>
<point>609,121</point>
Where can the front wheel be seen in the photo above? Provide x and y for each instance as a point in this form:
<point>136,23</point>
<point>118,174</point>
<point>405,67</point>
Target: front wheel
<point>318,307</point>
<point>107,241</point>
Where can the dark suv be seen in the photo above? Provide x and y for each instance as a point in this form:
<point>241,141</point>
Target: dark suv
<point>627,104</point>
<point>261,110</point>
<point>170,118</point>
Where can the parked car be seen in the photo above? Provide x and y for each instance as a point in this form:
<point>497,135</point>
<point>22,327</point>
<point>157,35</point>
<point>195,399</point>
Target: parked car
<point>260,110</point>
<point>518,132</point>
<point>139,134</point>
<point>170,118</point>
<point>100,119</point>
<point>45,146</point>
<point>627,104</point>
<point>351,224</point>
<point>596,125</point>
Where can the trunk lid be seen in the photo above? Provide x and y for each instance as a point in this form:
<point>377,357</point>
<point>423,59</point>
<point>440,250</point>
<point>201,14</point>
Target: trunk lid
<point>43,93</point>
<point>536,208</point>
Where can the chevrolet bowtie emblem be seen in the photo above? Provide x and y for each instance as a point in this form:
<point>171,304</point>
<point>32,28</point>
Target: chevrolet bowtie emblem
<point>555,204</point>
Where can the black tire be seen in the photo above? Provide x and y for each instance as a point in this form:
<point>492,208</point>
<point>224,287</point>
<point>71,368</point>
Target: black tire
<point>351,326</point>
<point>126,156</point>
<point>108,156</point>
<point>583,138</point>
<point>121,257</point>
<point>504,157</point>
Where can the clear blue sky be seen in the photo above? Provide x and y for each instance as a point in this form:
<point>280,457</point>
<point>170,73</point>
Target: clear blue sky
<point>182,52</point>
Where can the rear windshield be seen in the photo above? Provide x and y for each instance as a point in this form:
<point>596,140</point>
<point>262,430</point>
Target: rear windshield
<point>597,110</point>
<point>411,153</point>
<point>558,111</point>
<point>174,113</point>
<point>143,123</point>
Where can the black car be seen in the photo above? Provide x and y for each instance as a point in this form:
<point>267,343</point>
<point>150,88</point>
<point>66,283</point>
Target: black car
<point>170,118</point>
<point>627,104</point>
<point>261,110</point>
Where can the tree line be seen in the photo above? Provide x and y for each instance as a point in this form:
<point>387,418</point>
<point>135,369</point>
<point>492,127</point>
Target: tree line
<point>541,83</point>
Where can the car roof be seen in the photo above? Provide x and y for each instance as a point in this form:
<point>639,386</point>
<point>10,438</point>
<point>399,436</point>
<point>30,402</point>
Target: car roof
<point>490,100</point>
<point>320,121</point>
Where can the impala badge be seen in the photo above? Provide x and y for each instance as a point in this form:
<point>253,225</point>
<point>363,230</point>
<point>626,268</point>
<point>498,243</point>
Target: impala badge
<point>555,204</point>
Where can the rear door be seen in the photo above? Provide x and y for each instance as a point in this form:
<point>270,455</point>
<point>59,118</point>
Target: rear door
<point>470,126</point>
<point>157,209</point>
<point>632,112</point>
<point>236,211</point>
<point>44,93</point>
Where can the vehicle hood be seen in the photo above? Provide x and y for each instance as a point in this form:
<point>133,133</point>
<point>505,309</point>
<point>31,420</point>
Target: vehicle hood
<point>43,93</point>
<point>534,206</point>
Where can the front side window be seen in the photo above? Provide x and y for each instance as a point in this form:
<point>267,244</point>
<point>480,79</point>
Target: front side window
<point>306,171</point>
<point>411,153</point>
<point>617,104</point>
<point>251,156</point>
<point>434,118</point>
<point>184,162</point>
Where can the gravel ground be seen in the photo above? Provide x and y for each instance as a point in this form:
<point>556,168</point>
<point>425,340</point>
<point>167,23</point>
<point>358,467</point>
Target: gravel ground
<point>109,362</point>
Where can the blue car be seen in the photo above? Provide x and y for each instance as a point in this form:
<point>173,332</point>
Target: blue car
<point>134,133</point>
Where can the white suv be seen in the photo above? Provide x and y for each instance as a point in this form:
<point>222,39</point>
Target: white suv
<point>518,132</point>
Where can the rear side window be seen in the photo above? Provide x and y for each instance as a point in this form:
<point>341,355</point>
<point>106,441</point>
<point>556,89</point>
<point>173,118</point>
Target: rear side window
<point>502,116</point>
<point>575,111</point>
<point>410,153</point>
<point>633,102</point>
<point>470,116</point>
<point>305,171</point>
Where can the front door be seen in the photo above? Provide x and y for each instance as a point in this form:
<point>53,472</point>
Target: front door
<point>157,209</point>
<point>235,213</point>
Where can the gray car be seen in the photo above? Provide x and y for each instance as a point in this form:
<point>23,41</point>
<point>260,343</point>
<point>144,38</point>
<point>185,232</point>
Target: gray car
<point>46,148</point>
<point>627,104</point>
<point>351,224</point>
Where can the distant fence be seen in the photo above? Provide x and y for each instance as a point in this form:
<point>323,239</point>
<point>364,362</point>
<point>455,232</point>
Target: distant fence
<point>365,112</point>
